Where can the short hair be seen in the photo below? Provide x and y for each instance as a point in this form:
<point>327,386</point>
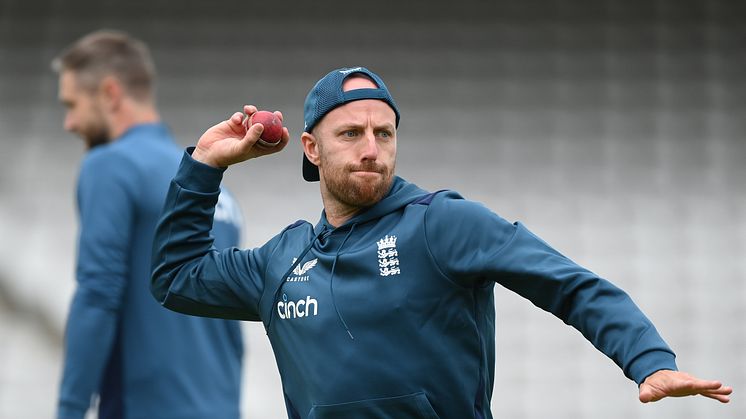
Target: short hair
<point>108,52</point>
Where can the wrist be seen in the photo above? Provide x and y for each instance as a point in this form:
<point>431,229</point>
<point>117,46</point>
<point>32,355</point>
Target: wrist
<point>203,158</point>
<point>651,363</point>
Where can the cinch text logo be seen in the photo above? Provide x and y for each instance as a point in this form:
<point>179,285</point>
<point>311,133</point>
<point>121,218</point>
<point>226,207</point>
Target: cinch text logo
<point>296,309</point>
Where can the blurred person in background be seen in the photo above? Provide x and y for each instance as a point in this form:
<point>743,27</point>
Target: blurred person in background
<point>385,307</point>
<point>120,345</point>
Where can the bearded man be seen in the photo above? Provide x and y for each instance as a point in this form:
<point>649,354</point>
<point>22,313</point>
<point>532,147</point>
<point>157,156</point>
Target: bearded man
<point>385,307</point>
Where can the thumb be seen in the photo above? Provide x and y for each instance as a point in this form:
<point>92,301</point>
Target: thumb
<point>646,393</point>
<point>241,148</point>
<point>252,135</point>
<point>255,129</point>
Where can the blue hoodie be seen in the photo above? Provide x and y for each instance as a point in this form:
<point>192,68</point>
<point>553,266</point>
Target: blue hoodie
<point>144,362</point>
<point>390,315</point>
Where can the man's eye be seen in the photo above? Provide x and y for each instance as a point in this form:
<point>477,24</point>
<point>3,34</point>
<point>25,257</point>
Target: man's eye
<point>350,133</point>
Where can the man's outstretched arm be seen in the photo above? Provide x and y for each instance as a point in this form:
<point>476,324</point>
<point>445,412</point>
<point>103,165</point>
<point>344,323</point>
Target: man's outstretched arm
<point>603,313</point>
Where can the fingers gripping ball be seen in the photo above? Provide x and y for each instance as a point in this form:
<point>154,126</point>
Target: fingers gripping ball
<point>272,133</point>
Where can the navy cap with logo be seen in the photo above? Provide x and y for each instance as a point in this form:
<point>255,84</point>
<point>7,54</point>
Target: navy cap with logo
<point>327,94</point>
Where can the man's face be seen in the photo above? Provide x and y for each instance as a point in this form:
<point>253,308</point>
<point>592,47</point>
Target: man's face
<point>357,152</point>
<point>83,113</point>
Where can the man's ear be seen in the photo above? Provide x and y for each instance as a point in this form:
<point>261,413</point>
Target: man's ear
<point>310,147</point>
<point>111,92</point>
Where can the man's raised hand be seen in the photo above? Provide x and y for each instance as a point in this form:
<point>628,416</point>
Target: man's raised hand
<point>229,142</point>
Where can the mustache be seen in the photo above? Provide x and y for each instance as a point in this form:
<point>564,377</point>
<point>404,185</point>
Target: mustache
<point>367,166</point>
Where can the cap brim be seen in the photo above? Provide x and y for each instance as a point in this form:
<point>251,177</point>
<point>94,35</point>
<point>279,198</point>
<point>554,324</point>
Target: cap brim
<point>310,170</point>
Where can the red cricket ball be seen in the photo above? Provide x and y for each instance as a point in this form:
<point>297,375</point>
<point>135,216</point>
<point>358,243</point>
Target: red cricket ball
<point>272,133</point>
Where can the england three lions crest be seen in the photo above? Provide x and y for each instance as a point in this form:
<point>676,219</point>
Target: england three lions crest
<point>388,256</point>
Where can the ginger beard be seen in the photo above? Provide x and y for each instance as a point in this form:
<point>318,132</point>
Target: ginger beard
<point>350,189</point>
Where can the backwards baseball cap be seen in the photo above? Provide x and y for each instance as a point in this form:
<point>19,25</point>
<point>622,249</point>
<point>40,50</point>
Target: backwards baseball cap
<point>327,94</point>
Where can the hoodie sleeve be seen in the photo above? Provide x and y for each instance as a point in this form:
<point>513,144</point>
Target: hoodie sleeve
<point>189,275</point>
<point>106,216</point>
<point>471,244</point>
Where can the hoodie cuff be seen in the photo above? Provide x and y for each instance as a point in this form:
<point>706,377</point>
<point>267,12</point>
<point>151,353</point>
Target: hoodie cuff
<point>197,176</point>
<point>650,362</point>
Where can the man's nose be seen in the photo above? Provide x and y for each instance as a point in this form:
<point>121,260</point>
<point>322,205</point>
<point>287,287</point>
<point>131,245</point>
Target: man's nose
<point>69,123</point>
<point>370,151</point>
